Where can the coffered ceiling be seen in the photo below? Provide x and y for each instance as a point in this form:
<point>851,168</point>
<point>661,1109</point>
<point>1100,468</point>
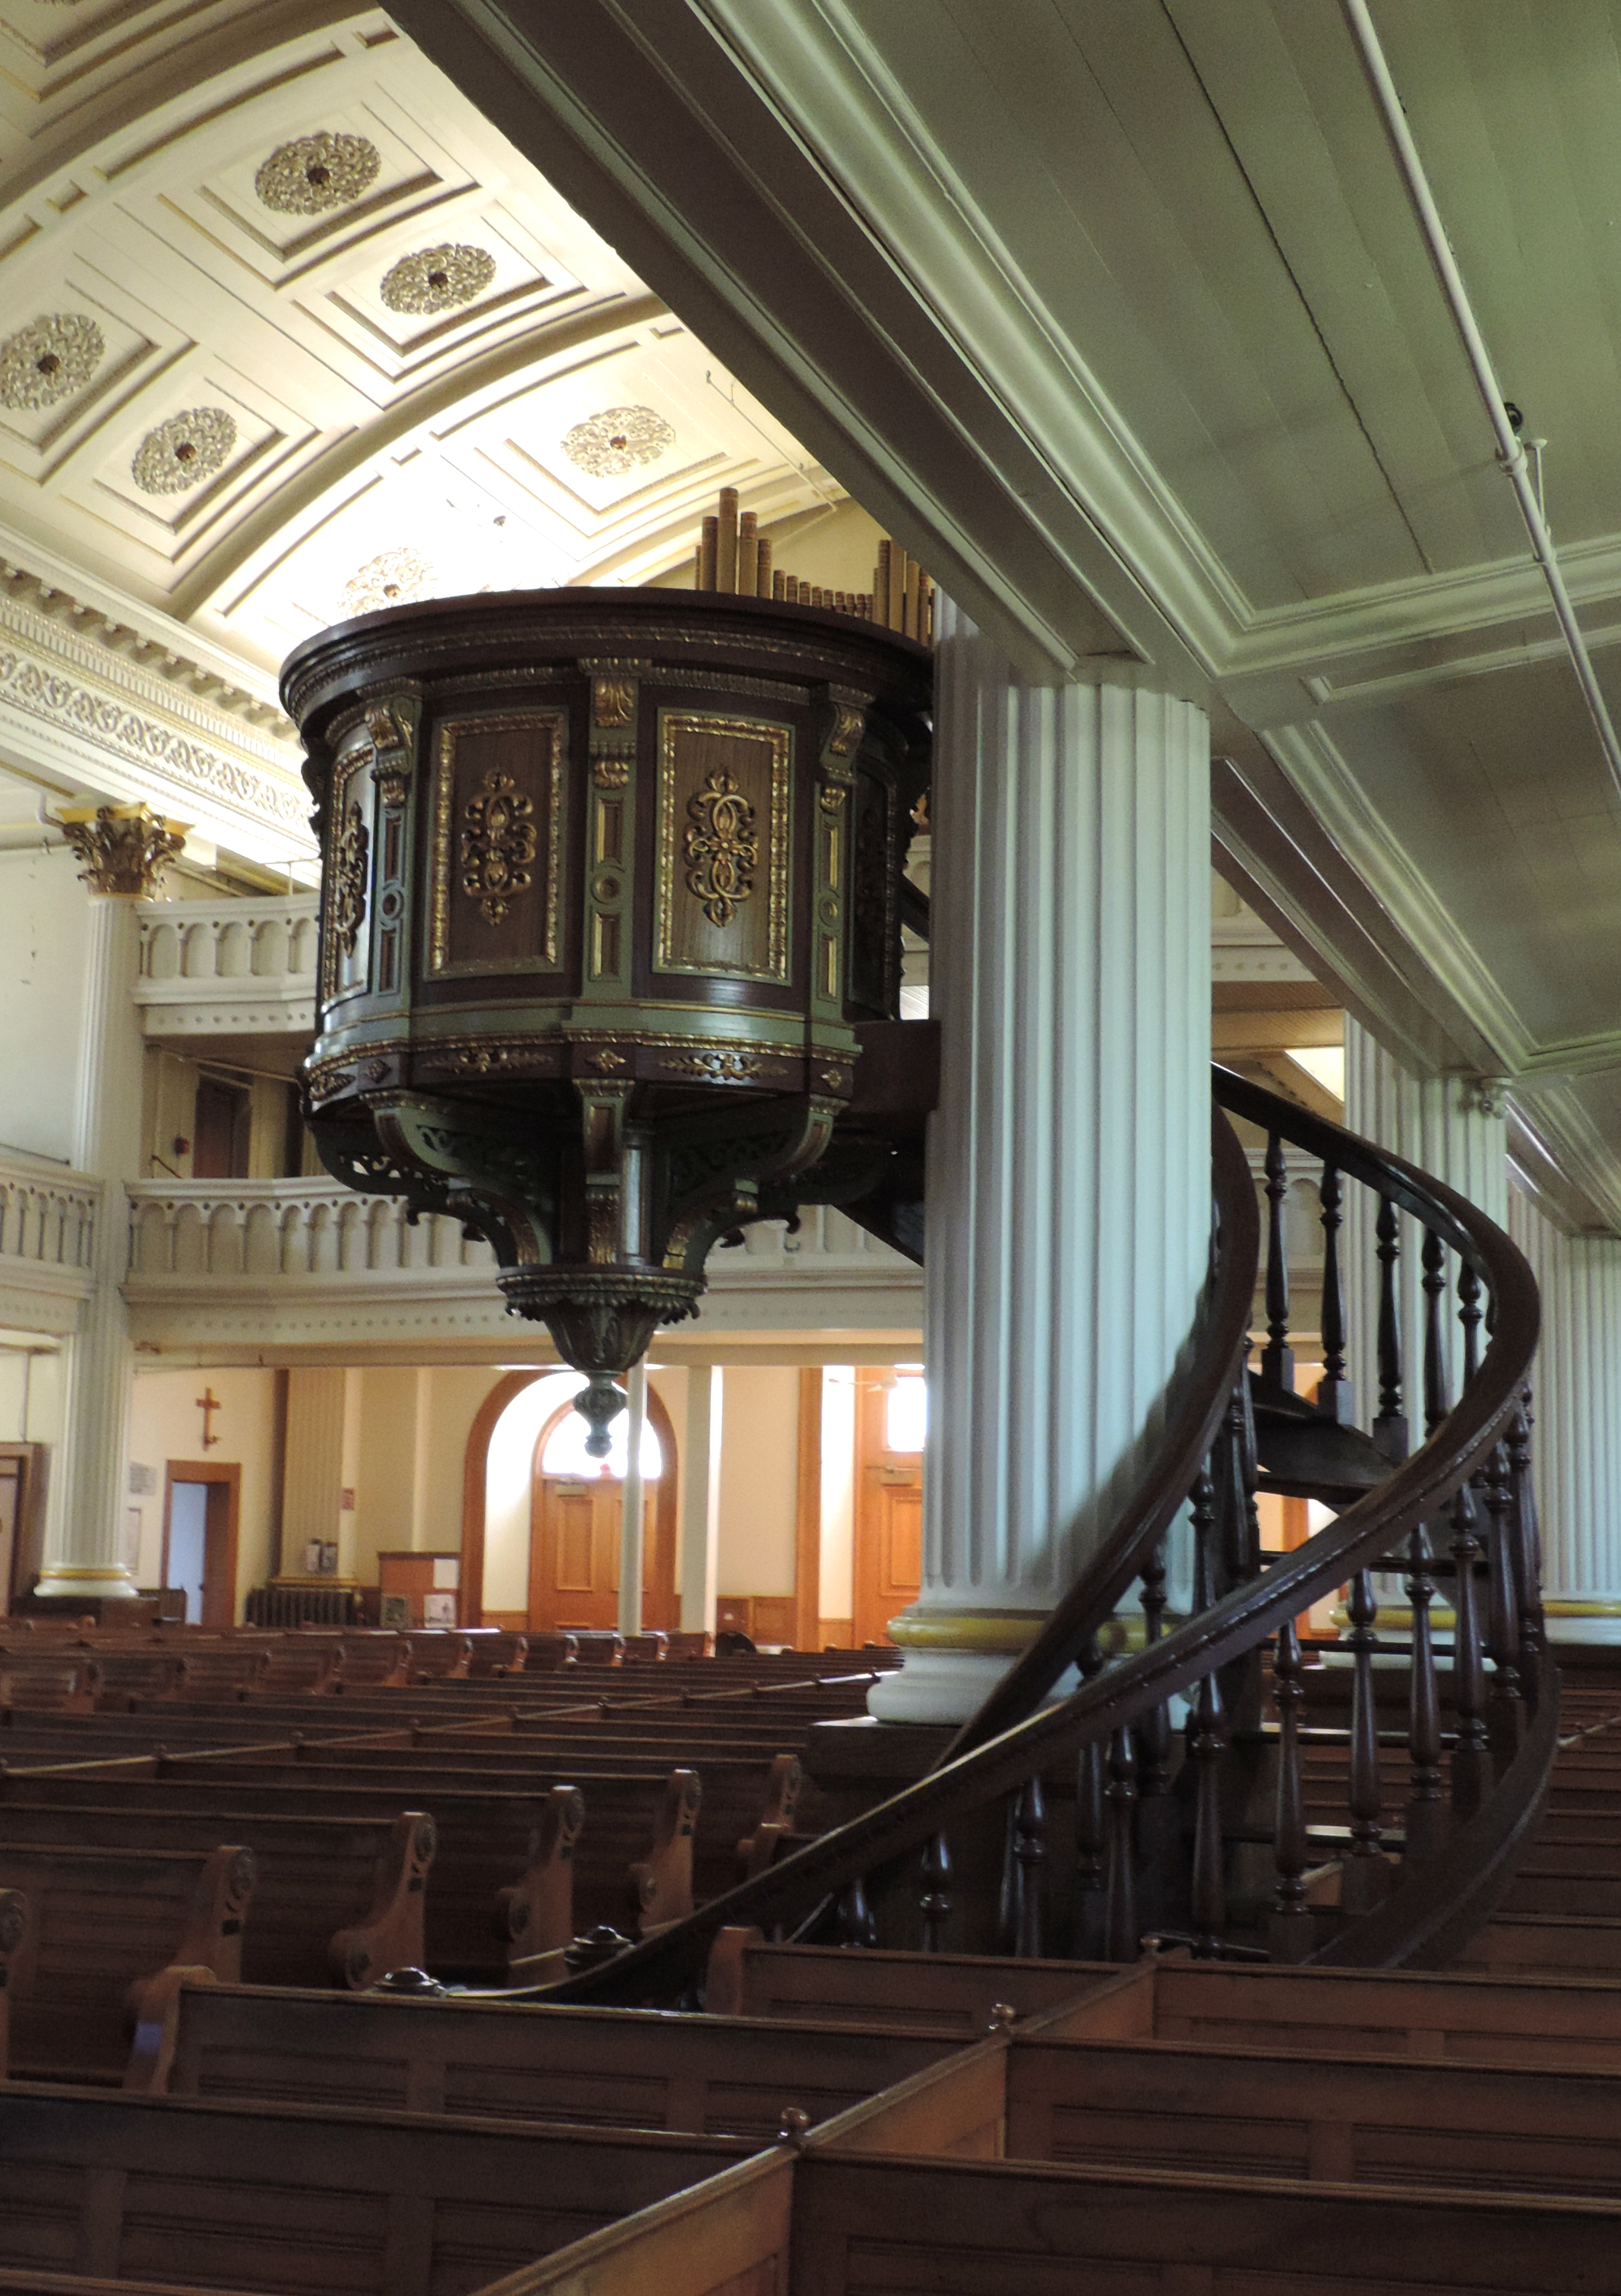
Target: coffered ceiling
<point>300,333</point>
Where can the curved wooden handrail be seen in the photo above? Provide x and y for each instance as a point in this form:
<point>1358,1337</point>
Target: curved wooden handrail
<point>1239,1622</point>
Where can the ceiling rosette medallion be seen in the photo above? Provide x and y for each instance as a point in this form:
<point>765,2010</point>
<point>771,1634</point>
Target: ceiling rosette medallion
<point>183,451</point>
<point>317,173</point>
<point>609,445</point>
<point>49,360</point>
<point>437,279</point>
<point>394,578</point>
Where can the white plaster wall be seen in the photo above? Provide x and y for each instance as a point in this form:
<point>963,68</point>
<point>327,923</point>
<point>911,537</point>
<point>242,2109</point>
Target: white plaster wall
<point>43,946</point>
<point>165,1424</point>
<point>385,1467</point>
<point>759,1480</point>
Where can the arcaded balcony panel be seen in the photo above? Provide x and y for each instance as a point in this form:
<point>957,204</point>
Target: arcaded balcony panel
<point>227,967</point>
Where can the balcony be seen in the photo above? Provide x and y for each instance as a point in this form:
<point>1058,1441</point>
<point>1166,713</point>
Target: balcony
<point>227,968</point>
<point>295,1271</point>
<point>47,1242</point>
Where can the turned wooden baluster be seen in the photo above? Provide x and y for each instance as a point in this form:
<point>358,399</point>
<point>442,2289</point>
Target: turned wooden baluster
<point>1237,1452</point>
<point>935,1903</point>
<point>1290,1931</point>
<point>1206,1741</point>
<point>1468,1316</point>
<point>1090,1907</point>
<point>1277,1356</point>
<point>1390,1422</point>
<point>1029,1855</point>
<point>1527,1542</point>
<point>1425,1806</point>
<point>1433,1259</point>
<point>1335,1397</point>
<point>1503,1594</point>
<point>1154,1730</point>
<point>1469,1756</point>
<point>853,1918</point>
<point>1364,1873</point>
<point>1123,1933</point>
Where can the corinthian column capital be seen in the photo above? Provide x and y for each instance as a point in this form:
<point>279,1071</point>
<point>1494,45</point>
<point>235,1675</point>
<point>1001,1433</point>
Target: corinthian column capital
<point>123,846</point>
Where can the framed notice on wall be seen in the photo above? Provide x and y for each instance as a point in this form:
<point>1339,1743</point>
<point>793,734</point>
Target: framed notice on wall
<point>438,1610</point>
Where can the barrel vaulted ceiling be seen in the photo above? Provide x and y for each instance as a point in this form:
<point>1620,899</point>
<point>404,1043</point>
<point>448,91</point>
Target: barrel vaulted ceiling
<point>1114,310</point>
<point>288,330</point>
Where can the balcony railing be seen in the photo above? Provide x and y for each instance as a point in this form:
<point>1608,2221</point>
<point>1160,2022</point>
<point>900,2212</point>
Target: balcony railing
<point>235,1266</point>
<point>208,968</point>
<point>48,1240</point>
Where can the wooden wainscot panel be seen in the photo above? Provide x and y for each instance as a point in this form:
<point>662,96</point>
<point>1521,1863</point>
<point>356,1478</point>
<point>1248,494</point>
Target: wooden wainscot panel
<point>722,882</point>
<point>728,2238</point>
<point>968,2227</point>
<point>956,2111</point>
<point>495,895</point>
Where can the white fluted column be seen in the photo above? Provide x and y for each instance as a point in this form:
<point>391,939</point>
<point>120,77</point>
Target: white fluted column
<point>87,1546</point>
<point>1069,1158</point>
<point>1453,1128</point>
<point>1575,1435</point>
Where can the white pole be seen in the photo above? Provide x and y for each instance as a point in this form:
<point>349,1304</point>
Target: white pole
<point>701,1500</point>
<point>631,1524</point>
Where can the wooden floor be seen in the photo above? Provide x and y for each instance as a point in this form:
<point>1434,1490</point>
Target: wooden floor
<point>833,2121</point>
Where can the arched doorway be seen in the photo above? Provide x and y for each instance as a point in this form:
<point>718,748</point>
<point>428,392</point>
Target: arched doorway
<point>576,1515</point>
<point>497,1594</point>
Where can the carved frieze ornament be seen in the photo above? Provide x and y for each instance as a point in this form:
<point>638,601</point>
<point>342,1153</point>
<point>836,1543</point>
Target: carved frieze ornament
<point>49,360</point>
<point>123,846</point>
<point>593,977</point>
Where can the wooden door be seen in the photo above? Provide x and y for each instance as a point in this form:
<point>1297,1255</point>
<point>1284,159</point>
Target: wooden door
<point>222,1482</point>
<point>13,1475</point>
<point>575,1528</point>
<point>219,1130</point>
<point>889,1516</point>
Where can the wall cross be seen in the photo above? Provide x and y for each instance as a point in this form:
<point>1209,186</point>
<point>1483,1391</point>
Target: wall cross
<point>209,1403</point>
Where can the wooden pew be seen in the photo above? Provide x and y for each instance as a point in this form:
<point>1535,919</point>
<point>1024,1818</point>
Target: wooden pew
<point>340,1900</point>
<point>1573,2023</point>
<point>945,1992</point>
<point>266,2197</point>
<point>626,2068</point>
<point>49,1681</point>
<point>102,1927</point>
<point>986,2228</point>
<point>1340,2120</point>
<point>488,1844</point>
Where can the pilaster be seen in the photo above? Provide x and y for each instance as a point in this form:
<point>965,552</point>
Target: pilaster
<point>1575,1434</point>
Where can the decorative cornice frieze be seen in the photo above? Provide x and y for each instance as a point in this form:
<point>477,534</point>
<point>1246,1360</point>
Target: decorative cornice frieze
<point>182,749</point>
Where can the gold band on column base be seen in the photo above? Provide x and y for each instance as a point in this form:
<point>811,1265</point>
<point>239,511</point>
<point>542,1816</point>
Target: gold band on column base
<point>1594,1606</point>
<point>88,1571</point>
<point>993,1634</point>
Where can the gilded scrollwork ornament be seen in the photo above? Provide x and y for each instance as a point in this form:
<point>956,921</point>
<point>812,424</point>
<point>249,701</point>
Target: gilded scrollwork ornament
<point>353,857</point>
<point>719,847</point>
<point>498,845</point>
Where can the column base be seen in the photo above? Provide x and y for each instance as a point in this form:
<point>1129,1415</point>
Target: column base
<point>1575,1620</point>
<point>104,1582</point>
<point>953,1661</point>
